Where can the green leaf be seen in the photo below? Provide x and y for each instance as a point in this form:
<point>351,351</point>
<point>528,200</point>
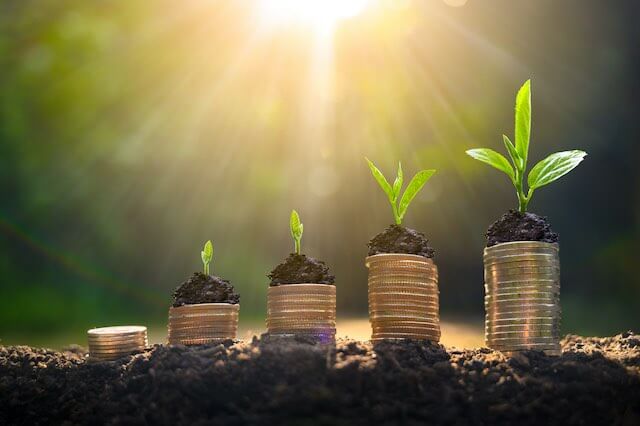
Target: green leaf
<point>207,252</point>
<point>513,153</point>
<point>494,159</point>
<point>554,167</point>
<point>382,181</point>
<point>397,184</point>
<point>296,225</point>
<point>416,184</point>
<point>523,120</point>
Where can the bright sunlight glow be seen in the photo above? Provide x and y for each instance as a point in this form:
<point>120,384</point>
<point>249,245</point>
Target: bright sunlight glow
<point>321,14</point>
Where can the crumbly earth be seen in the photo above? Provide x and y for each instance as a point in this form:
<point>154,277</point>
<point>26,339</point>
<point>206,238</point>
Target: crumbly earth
<point>398,239</point>
<point>517,226</point>
<point>596,381</point>
<point>201,288</point>
<point>300,269</point>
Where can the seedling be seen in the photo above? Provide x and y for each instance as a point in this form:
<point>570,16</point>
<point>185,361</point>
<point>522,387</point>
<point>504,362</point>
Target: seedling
<point>207,254</point>
<point>546,171</point>
<point>296,230</point>
<point>399,204</point>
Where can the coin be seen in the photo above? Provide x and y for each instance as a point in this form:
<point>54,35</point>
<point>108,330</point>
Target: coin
<point>202,323</point>
<point>107,343</point>
<point>301,310</point>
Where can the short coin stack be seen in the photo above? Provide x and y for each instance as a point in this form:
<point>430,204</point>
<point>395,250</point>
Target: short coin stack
<point>403,297</point>
<point>109,343</point>
<point>302,310</point>
<point>203,323</point>
<point>522,297</point>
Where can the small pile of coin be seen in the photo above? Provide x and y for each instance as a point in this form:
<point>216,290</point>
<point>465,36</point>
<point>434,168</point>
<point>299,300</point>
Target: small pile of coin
<point>403,297</point>
<point>109,343</point>
<point>203,323</point>
<point>302,310</point>
<point>522,297</point>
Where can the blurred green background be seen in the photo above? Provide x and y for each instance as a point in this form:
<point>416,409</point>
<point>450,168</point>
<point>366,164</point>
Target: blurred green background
<point>132,132</point>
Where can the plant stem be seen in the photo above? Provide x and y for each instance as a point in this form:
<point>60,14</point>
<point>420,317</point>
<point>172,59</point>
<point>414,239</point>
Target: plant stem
<point>297,246</point>
<point>396,216</point>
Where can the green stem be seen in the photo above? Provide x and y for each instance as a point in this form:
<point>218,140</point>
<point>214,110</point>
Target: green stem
<point>297,246</point>
<point>396,216</point>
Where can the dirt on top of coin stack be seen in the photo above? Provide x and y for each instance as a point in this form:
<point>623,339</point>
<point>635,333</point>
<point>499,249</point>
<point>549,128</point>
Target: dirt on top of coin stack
<point>201,288</point>
<point>595,381</point>
<point>518,226</point>
<point>301,269</point>
<point>399,239</point>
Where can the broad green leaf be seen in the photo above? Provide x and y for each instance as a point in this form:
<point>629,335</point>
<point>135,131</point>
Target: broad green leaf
<point>494,159</point>
<point>416,184</point>
<point>397,184</point>
<point>554,167</point>
<point>513,153</point>
<point>523,120</point>
<point>382,181</point>
<point>295,225</point>
<point>207,252</point>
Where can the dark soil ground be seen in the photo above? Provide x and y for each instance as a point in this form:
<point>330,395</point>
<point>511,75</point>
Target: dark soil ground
<point>300,269</point>
<point>398,239</point>
<point>517,226</point>
<point>596,381</point>
<point>201,288</point>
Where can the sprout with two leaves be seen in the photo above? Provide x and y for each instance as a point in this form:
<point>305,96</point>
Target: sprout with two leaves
<point>296,230</point>
<point>399,205</point>
<point>546,171</point>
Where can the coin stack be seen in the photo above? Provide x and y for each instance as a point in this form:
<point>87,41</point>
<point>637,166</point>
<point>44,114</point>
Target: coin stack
<point>109,343</point>
<point>522,297</point>
<point>307,310</point>
<point>203,323</point>
<point>403,297</point>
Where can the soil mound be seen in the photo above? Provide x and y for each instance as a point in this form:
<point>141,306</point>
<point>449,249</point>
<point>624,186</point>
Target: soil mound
<point>398,239</point>
<point>201,288</point>
<point>300,269</point>
<point>517,226</point>
<point>595,381</point>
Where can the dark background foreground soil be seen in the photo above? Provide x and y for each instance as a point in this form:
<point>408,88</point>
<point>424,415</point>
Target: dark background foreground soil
<point>595,381</point>
<point>301,269</point>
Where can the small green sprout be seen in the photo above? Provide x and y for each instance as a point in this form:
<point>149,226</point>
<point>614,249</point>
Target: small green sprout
<point>296,230</point>
<point>207,254</point>
<point>400,205</point>
<point>546,171</point>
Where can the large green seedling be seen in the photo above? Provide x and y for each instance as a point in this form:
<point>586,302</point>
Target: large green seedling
<point>296,230</point>
<point>546,171</point>
<point>207,254</point>
<point>399,205</point>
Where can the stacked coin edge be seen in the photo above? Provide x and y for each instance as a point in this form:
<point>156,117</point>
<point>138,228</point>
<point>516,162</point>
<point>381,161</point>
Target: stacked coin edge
<point>302,310</point>
<point>522,297</point>
<point>403,297</point>
<point>111,343</point>
<point>202,323</point>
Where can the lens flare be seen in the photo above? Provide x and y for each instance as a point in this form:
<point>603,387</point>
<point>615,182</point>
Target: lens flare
<point>321,14</point>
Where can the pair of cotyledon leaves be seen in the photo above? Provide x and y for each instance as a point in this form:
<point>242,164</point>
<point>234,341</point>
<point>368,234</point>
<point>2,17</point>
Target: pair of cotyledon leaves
<point>546,171</point>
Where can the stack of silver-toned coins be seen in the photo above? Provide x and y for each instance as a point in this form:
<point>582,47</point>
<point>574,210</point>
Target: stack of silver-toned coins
<point>109,343</point>
<point>302,310</point>
<point>203,323</point>
<point>403,297</point>
<point>522,297</point>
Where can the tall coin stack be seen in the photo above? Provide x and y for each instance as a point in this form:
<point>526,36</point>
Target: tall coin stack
<point>302,310</point>
<point>522,297</point>
<point>403,297</point>
<point>203,323</point>
<point>109,343</point>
